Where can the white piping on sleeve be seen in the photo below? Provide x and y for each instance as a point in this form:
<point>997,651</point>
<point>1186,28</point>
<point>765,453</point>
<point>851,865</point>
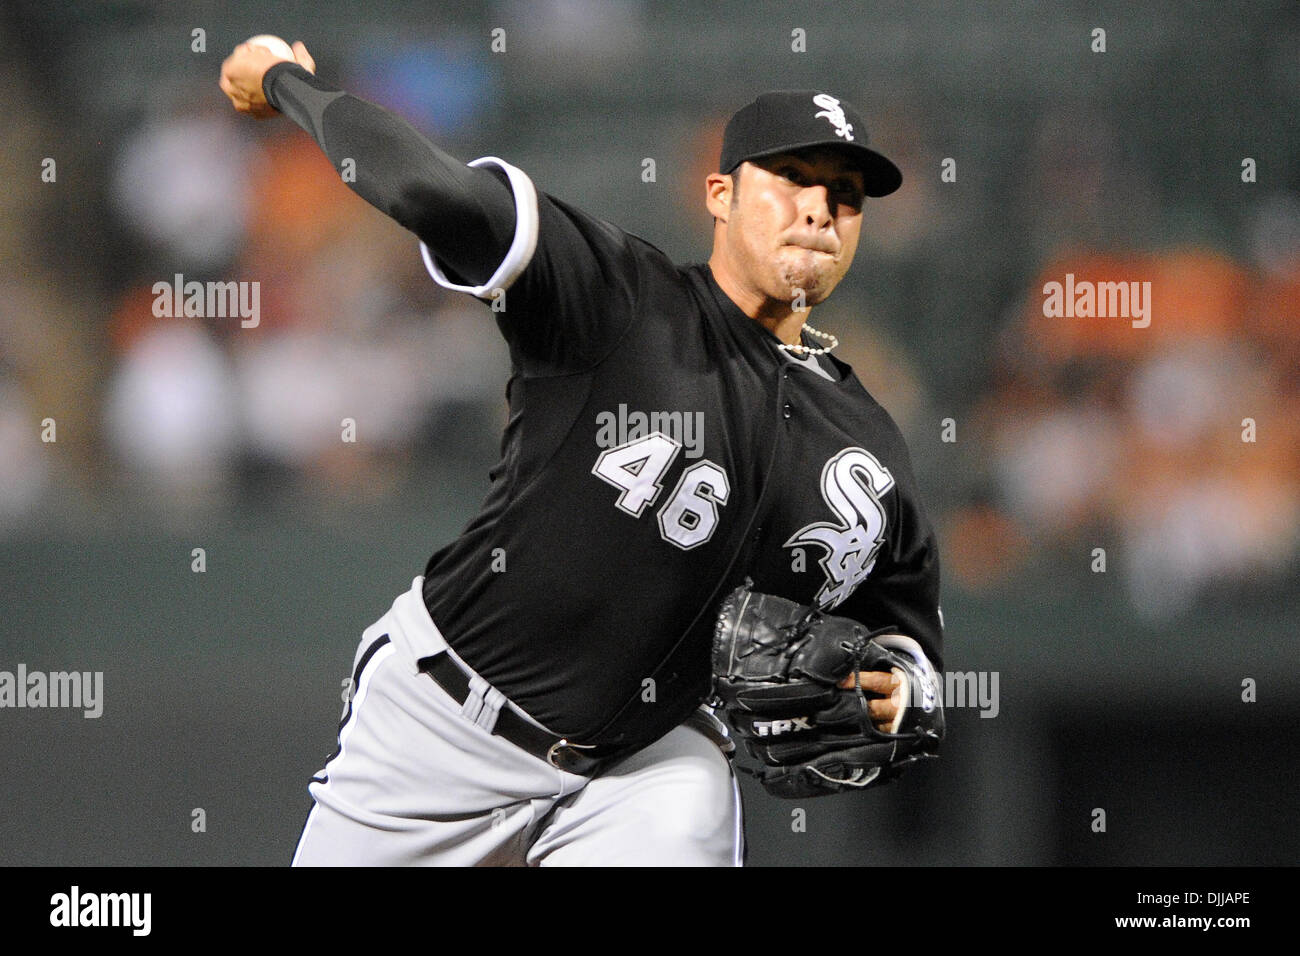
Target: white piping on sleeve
<point>522,246</point>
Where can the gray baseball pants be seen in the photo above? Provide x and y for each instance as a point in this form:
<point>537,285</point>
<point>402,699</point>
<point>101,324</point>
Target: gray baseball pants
<point>419,779</point>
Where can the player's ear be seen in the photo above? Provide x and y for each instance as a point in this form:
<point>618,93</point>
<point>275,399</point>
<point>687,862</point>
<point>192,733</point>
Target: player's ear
<point>717,195</point>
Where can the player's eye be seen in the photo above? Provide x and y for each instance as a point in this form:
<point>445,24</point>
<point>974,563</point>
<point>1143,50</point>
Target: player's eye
<point>847,194</point>
<point>793,175</point>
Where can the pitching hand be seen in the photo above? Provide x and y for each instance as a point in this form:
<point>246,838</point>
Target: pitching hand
<point>242,72</point>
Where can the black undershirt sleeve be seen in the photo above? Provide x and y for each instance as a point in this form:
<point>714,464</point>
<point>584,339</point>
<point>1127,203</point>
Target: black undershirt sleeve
<point>577,291</point>
<point>464,214</point>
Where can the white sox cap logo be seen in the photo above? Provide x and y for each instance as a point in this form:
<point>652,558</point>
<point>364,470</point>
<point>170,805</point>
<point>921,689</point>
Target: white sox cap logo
<point>832,111</point>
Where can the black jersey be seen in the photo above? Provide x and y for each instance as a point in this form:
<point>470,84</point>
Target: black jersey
<point>660,448</point>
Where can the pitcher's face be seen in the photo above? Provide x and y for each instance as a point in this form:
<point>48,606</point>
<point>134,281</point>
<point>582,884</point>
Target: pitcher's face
<point>793,223</point>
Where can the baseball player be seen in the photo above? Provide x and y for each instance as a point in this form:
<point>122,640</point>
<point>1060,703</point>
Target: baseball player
<point>680,441</point>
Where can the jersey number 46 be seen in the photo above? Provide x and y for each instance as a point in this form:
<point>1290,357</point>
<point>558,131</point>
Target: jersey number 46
<point>637,468</point>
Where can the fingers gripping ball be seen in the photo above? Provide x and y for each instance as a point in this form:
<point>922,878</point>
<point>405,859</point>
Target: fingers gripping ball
<point>777,666</point>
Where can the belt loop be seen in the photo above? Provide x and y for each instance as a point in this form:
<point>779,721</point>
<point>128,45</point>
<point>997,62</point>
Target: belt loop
<point>487,707</point>
<point>492,701</point>
<point>472,709</point>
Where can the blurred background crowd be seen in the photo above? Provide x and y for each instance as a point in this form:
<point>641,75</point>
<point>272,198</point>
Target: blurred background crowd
<point>1068,432</point>
<point>1175,448</point>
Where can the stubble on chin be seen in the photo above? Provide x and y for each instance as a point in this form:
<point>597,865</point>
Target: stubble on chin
<point>796,277</point>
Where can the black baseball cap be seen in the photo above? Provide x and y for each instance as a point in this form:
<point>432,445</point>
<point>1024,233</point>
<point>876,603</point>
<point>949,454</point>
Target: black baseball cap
<point>782,121</point>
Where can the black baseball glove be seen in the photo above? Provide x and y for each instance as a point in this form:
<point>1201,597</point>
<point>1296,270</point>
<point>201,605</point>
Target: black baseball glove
<point>777,666</point>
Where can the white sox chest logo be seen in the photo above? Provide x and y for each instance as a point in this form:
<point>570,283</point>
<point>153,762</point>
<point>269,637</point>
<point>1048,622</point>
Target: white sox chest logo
<point>852,484</point>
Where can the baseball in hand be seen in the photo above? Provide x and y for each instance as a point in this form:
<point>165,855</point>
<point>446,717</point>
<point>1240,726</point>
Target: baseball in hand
<point>272,43</point>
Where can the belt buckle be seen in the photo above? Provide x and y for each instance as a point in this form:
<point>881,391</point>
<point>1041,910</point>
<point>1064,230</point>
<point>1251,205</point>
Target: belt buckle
<point>560,761</point>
